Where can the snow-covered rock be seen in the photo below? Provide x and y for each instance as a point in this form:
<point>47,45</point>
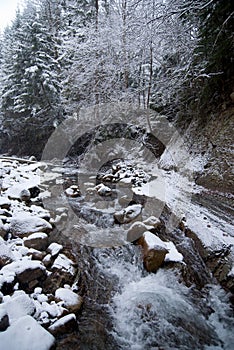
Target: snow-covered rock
<point>136,230</point>
<point>25,195</point>
<point>73,191</point>
<point>54,248</point>
<point>65,324</point>
<point>24,271</point>
<point>154,251</point>
<point>5,203</point>
<point>128,214</point>
<point>26,334</point>
<point>37,240</point>
<point>157,251</point>
<point>6,255</point>
<point>71,300</point>
<point>20,304</point>
<point>103,190</point>
<point>152,221</point>
<point>62,262</point>
<point>24,223</point>
<point>173,254</point>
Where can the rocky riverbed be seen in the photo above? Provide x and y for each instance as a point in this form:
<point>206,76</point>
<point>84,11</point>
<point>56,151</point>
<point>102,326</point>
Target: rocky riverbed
<point>71,277</point>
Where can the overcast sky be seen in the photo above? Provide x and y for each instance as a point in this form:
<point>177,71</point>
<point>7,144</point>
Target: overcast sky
<point>7,11</point>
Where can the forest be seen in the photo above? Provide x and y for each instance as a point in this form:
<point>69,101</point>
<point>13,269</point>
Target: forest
<point>58,56</point>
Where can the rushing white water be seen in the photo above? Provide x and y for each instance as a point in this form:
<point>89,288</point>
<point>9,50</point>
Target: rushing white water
<point>155,311</point>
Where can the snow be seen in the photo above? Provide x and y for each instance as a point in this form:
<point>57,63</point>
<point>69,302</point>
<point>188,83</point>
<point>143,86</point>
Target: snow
<point>36,235</point>
<point>54,248</point>
<point>173,254</point>
<point>26,334</point>
<point>4,201</point>
<point>19,266</point>
<point>32,69</point>
<point>62,321</point>
<point>24,223</point>
<point>154,241</point>
<point>20,304</point>
<point>53,309</point>
<point>68,296</point>
<point>64,263</point>
<point>5,251</point>
<point>231,273</point>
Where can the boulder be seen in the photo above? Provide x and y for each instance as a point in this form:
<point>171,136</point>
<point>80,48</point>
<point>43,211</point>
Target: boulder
<point>153,221</point>
<point>34,191</point>
<point>18,305</point>
<point>103,190</point>
<point>26,334</point>
<point>37,240</point>
<point>73,191</point>
<point>25,195</point>
<point>72,301</point>
<point>36,254</point>
<point>6,255</point>
<point>27,272</point>
<point>154,251</point>
<point>3,230</point>
<point>64,325</point>
<point>128,214</point>
<point>47,260</point>
<point>54,249</point>
<point>62,262</point>
<point>136,231</point>
<point>23,224</point>
<point>63,271</point>
<point>57,279</point>
<point>5,203</point>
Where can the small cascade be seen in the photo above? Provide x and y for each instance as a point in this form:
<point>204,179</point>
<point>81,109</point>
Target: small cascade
<point>125,307</point>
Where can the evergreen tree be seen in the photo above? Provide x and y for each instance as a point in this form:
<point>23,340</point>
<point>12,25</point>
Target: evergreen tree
<point>215,51</point>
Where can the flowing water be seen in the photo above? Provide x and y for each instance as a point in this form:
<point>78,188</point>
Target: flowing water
<point>179,307</point>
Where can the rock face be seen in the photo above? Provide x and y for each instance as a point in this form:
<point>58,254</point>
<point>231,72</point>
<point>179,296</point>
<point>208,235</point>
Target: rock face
<point>214,139</point>
<point>154,251</point>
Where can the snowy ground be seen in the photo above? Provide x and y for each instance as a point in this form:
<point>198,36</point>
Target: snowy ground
<point>29,317</point>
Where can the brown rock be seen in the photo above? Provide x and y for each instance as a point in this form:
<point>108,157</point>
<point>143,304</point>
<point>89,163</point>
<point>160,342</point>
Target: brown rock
<point>64,325</point>
<point>153,257</point>
<point>2,229</point>
<point>57,279</point>
<point>71,300</point>
<point>29,274</point>
<point>36,254</point>
<point>38,241</point>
